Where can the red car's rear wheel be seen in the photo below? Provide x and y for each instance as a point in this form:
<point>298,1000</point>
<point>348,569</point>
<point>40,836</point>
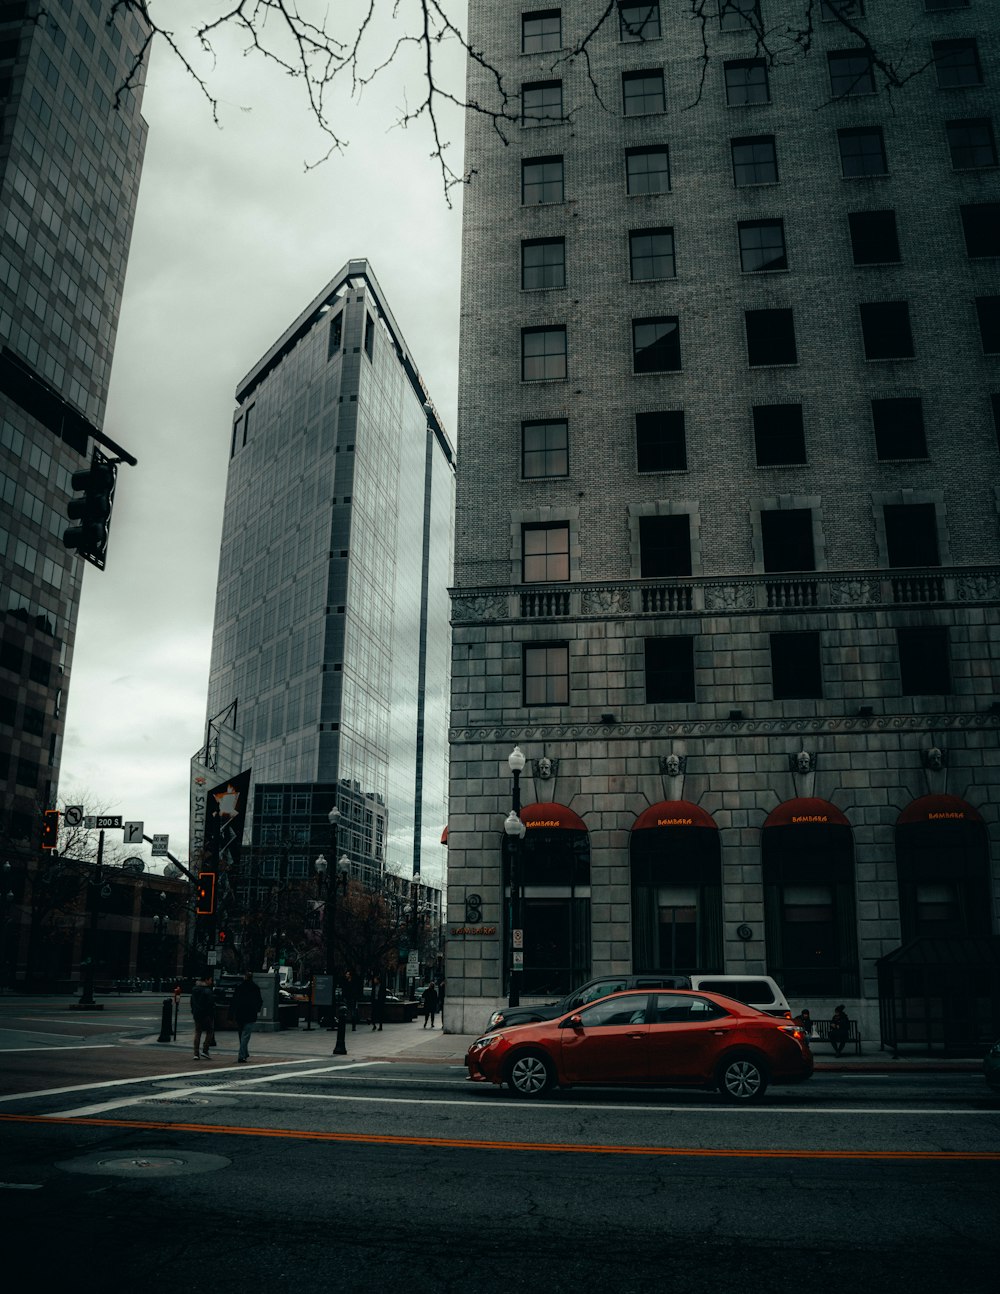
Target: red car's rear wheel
<point>742,1079</point>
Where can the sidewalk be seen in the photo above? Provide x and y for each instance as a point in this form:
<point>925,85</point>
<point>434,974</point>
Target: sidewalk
<point>412,1042</point>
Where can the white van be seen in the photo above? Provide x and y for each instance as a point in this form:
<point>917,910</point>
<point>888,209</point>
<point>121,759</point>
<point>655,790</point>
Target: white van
<point>755,990</point>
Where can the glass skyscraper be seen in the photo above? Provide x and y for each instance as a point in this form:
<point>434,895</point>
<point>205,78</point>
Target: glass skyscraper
<point>71,146</point>
<point>331,623</point>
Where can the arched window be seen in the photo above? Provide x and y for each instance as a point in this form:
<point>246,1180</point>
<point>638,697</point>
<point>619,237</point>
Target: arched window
<point>942,869</point>
<point>553,876</point>
<point>676,890</point>
<point>810,925</point>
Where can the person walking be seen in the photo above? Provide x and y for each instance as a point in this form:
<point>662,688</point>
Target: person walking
<point>351,998</point>
<point>246,1007</point>
<point>203,1011</point>
<point>430,1003</point>
<point>840,1029</point>
<point>378,1003</point>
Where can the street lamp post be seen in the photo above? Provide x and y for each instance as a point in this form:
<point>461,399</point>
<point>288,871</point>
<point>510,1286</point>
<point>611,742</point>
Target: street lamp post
<point>514,830</point>
<point>160,922</point>
<point>6,899</point>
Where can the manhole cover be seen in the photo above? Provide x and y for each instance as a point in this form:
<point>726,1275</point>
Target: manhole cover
<point>148,1163</point>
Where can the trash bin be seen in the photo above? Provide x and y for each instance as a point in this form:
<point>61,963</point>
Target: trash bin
<point>288,1015</point>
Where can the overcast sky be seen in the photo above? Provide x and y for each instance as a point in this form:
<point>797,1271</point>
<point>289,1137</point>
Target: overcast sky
<point>232,239</point>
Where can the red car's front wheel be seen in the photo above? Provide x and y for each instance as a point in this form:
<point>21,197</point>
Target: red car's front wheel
<point>530,1074</point>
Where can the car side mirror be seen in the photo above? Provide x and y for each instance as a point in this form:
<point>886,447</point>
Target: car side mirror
<point>572,1022</point>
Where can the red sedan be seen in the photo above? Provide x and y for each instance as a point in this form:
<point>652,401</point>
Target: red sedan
<point>669,1038</point>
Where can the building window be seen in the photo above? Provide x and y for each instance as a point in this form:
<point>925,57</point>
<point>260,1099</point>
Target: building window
<point>656,345</point>
<point>981,226</point>
<point>755,160</point>
<point>885,326</point>
<point>541,31</point>
<point>873,237</point>
<point>664,546</point>
<point>786,539</point>
<point>541,103</point>
<point>543,354</point>
<point>795,667</point>
<point>988,311</point>
<point>956,63</point>
<point>545,553</point>
<point>543,263</point>
<point>669,669</point>
<point>770,338</point>
<point>541,180</point>
<point>643,93</point>
<point>971,143</point>
<point>639,21</point>
<point>369,336</point>
<point>779,438</point>
<point>546,674</point>
<point>651,253</point>
<point>899,428</point>
<point>762,246</point>
<point>746,82</point>
<point>738,15</point>
<point>544,449</point>
<point>924,667</point>
<point>832,9</point>
<point>851,73</point>
<point>336,337</point>
<point>647,170</point>
<point>862,152</point>
<point>660,441</point>
<point>911,537</point>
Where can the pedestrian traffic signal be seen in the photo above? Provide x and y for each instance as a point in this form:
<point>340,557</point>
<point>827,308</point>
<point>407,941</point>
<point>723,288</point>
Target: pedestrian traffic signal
<point>206,894</point>
<point>92,510</point>
<point>50,829</point>
<point>223,935</point>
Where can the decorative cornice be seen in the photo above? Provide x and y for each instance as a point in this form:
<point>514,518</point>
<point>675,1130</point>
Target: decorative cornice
<point>693,729</point>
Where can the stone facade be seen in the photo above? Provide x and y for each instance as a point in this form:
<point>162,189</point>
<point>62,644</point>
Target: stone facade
<point>858,592</point>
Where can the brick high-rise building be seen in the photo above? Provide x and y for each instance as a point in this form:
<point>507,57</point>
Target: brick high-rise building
<point>71,148</point>
<point>727,530</point>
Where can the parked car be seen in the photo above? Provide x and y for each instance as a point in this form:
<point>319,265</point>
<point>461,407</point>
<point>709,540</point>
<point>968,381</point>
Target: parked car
<point>530,1012</point>
<point>991,1067</point>
<point>675,1038</point>
<point>760,991</point>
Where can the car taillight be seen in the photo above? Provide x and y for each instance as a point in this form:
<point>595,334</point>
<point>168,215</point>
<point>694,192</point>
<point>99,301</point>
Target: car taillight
<point>794,1031</point>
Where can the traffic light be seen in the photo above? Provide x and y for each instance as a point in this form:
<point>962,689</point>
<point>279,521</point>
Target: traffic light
<point>223,935</point>
<point>92,511</point>
<point>206,894</point>
<point>50,829</point>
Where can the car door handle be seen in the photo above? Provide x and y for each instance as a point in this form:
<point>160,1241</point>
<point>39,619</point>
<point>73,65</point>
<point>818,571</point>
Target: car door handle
<point>719,1033</point>
<point>637,1035</point>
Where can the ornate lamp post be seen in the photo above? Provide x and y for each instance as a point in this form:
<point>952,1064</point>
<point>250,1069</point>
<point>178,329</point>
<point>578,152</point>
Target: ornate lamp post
<point>514,830</point>
<point>160,923</point>
<point>6,899</point>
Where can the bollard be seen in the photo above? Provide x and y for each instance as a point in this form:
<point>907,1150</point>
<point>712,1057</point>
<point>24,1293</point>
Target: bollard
<point>165,1020</point>
<point>340,1048</point>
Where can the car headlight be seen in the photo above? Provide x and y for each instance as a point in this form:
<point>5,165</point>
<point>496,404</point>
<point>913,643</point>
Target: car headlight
<point>487,1040</point>
<point>495,1019</point>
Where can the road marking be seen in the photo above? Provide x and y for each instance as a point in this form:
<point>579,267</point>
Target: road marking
<point>458,1143</point>
<point>122,1082</point>
<point>82,1046</point>
<point>20,1186</point>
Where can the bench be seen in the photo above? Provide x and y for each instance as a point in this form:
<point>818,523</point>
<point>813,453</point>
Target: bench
<point>821,1031</point>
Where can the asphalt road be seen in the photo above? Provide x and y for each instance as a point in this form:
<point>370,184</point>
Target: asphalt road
<point>364,1176</point>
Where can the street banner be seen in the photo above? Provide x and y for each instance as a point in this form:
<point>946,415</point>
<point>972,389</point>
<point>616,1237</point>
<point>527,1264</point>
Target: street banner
<point>225,817</point>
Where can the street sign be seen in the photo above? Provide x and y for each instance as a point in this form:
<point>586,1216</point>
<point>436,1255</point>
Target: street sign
<point>519,959</point>
<point>133,833</point>
<point>160,846</point>
<point>108,822</point>
<point>518,938</point>
<point>73,815</point>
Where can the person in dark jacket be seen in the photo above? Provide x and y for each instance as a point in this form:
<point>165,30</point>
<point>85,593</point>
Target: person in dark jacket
<point>378,1003</point>
<point>246,1007</point>
<point>839,1032</point>
<point>203,1010</point>
<point>351,998</point>
<point>430,1004</point>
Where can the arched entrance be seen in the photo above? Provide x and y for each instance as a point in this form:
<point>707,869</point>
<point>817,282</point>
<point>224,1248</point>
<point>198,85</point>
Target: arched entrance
<point>942,869</point>
<point>554,879</point>
<point>676,889</point>
<point>810,926</point>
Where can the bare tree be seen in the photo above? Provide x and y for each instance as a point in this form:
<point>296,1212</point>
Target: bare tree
<point>327,48</point>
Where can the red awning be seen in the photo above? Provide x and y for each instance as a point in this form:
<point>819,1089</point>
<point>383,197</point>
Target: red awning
<point>806,811</point>
<point>444,836</point>
<point>673,813</point>
<point>938,808</point>
<point>541,817</point>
